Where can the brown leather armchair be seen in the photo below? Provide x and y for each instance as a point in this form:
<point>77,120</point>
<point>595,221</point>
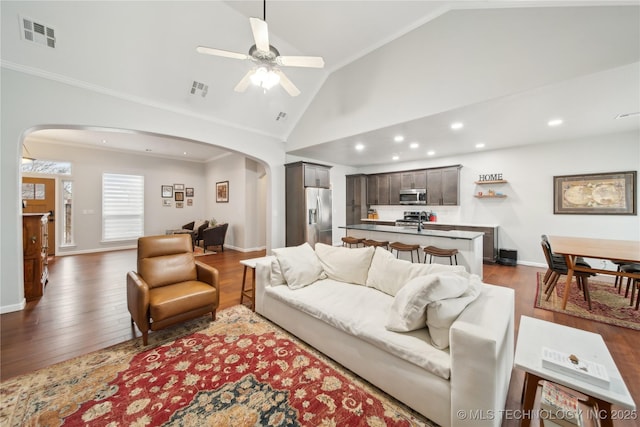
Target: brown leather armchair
<point>170,286</point>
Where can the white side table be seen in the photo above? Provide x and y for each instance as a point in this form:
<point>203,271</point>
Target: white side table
<point>534,334</point>
<point>246,292</point>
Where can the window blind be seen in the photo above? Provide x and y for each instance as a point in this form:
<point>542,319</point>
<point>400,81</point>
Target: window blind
<point>122,206</point>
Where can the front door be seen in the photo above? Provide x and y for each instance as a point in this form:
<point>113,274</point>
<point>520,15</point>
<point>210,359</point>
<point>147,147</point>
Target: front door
<point>39,196</point>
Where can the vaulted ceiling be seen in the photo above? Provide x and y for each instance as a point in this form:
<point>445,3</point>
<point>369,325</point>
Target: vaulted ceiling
<point>392,67</point>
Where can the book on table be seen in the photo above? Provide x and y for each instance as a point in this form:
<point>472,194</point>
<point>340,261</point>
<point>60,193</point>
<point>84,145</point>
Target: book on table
<point>570,364</point>
<point>559,406</point>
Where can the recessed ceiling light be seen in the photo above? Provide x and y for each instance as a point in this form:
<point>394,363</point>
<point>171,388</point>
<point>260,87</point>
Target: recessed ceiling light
<point>480,145</point>
<point>104,141</point>
<point>359,147</point>
<point>398,138</point>
<point>395,157</point>
<point>457,125</point>
<point>414,145</point>
<point>554,122</point>
<point>185,153</point>
<point>430,153</point>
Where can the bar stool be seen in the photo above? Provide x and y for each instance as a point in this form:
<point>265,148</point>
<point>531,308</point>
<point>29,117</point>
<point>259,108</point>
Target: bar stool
<point>403,247</point>
<point>439,252</point>
<point>350,241</point>
<point>381,243</point>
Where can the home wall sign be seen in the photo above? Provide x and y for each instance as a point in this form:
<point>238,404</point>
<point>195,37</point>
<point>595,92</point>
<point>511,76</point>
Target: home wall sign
<point>490,177</point>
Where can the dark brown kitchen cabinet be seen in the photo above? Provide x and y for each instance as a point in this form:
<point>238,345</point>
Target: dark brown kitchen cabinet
<point>413,179</point>
<point>395,185</point>
<point>316,175</point>
<point>443,186</point>
<point>356,191</point>
<point>378,189</point>
<point>35,245</point>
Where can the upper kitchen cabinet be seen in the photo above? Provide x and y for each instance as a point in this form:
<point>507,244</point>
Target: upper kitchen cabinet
<point>378,189</point>
<point>443,186</point>
<point>413,179</point>
<point>395,185</point>
<point>315,175</point>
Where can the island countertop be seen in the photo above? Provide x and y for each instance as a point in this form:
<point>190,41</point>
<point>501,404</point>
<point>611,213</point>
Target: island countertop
<point>451,234</point>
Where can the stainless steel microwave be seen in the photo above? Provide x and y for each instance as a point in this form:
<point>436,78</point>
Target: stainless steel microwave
<point>413,196</point>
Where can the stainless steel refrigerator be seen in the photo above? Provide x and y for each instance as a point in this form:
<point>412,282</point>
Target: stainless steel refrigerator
<point>318,216</point>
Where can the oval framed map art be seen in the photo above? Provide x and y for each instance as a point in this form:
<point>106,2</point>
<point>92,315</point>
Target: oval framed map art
<point>611,193</point>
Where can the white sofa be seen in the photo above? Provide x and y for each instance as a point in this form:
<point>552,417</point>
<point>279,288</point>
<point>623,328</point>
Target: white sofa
<point>346,319</point>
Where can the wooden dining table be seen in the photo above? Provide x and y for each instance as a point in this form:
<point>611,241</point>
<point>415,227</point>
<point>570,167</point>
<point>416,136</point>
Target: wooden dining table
<point>627,251</point>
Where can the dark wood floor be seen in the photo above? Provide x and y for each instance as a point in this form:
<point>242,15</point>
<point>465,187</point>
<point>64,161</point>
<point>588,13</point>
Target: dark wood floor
<point>84,309</point>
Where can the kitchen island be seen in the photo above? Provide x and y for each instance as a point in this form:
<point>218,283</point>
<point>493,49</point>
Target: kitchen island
<point>468,243</point>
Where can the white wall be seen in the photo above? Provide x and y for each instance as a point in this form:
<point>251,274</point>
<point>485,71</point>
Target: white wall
<point>88,166</point>
<point>31,102</point>
<point>527,212</point>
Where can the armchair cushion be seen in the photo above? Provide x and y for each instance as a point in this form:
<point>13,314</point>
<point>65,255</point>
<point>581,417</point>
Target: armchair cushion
<point>172,300</point>
<point>164,270</point>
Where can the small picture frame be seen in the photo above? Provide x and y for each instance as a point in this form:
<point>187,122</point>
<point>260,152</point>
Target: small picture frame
<point>222,192</point>
<point>166,190</point>
<point>179,196</point>
<point>189,202</point>
<point>178,187</point>
<point>179,205</point>
<point>166,203</point>
<point>189,192</point>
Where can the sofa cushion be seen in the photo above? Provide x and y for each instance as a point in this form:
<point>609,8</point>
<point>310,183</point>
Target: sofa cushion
<point>388,274</point>
<point>441,314</point>
<point>350,265</point>
<point>409,309</point>
<point>360,311</point>
<point>276,274</point>
<point>300,265</point>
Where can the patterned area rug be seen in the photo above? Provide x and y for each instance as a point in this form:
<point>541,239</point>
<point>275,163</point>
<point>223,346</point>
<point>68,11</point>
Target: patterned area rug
<point>607,305</point>
<point>240,370</point>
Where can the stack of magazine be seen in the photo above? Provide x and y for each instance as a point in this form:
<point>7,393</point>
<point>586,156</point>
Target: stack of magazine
<point>559,407</point>
<point>570,364</point>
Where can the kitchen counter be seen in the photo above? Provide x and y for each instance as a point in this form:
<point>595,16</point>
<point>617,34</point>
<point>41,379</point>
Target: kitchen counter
<point>454,224</point>
<point>451,234</point>
<point>468,243</point>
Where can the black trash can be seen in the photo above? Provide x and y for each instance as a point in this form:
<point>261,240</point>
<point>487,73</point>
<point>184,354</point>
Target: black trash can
<point>508,257</point>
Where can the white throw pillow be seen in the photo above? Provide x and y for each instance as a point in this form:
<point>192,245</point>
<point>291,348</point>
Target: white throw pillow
<point>441,314</point>
<point>300,265</point>
<point>345,264</point>
<point>276,273</point>
<point>409,308</point>
<point>388,274</point>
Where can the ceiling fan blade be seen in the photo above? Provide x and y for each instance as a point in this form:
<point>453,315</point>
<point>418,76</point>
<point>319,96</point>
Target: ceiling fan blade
<point>220,52</point>
<point>287,84</point>
<point>244,83</point>
<point>260,31</point>
<point>301,61</point>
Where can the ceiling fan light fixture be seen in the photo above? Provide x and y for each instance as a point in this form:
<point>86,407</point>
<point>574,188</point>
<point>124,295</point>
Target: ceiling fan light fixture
<point>265,78</point>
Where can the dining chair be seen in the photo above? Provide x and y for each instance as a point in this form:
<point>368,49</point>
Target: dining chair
<point>557,269</point>
<point>634,283</point>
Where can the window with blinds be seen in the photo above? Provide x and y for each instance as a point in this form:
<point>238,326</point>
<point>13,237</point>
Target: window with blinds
<point>122,206</point>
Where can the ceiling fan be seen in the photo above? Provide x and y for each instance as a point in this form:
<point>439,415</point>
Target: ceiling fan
<point>266,73</point>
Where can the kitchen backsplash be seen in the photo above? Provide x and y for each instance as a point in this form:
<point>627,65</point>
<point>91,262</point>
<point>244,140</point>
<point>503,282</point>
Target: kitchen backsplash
<point>450,214</point>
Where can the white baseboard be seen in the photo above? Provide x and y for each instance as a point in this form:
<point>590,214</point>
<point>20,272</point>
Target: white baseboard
<point>13,307</point>
<point>92,251</point>
<point>532,264</point>
<point>260,248</point>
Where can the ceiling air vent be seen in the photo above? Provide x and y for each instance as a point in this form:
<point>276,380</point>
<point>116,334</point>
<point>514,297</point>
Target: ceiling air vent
<point>282,116</point>
<point>198,87</point>
<point>38,33</point>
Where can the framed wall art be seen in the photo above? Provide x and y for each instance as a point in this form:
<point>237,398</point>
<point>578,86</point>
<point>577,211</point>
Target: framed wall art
<point>179,205</point>
<point>166,203</point>
<point>166,190</point>
<point>178,187</point>
<point>189,191</point>
<point>179,196</point>
<point>612,193</point>
<point>222,192</point>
